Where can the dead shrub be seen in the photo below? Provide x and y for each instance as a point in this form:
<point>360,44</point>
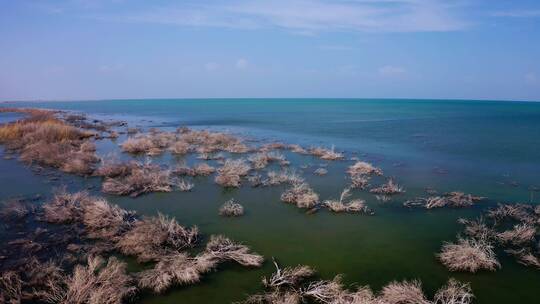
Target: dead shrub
<point>326,154</point>
<point>105,221</point>
<point>231,173</point>
<point>520,234</point>
<point>320,172</point>
<point>143,178</point>
<point>454,292</point>
<point>180,148</point>
<point>518,212</point>
<point>224,249</point>
<point>184,185</point>
<point>66,207</point>
<point>231,208</point>
<point>525,257</point>
<point>12,210</point>
<point>288,276</point>
<point>346,205</point>
<point>203,169</point>
<point>284,176</point>
<point>405,292</point>
<point>301,195</point>
<point>174,269</point>
<point>469,255</point>
<point>99,282</point>
<point>390,188</point>
<point>363,168</point>
<point>153,237</point>
<point>10,288</point>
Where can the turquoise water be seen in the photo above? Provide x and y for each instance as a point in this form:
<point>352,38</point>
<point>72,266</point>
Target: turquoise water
<point>488,148</point>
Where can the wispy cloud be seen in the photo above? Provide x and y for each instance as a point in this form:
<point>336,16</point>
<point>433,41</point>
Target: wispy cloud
<point>391,71</point>
<point>242,64</point>
<point>308,16</point>
<point>517,13</point>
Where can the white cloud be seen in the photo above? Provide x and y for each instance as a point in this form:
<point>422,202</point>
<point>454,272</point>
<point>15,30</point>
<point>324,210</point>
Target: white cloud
<point>391,71</point>
<point>211,66</point>
<point>242,64</point>
<point>310,16</point>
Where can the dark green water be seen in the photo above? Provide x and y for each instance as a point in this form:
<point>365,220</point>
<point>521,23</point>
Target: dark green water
<point>479,147</point>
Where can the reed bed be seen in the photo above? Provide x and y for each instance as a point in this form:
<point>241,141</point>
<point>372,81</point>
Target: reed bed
<point>295,285</point>
<point>46,140</point>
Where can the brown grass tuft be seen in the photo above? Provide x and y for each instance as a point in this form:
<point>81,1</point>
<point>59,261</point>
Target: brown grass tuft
<point>390,188</point>
<point>346,205</point>
<point>142,178</point>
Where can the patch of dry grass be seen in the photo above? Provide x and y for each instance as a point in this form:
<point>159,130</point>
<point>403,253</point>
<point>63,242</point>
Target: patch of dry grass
<point>390,188</point>
<point>326,154</point>
<point>231,209</point>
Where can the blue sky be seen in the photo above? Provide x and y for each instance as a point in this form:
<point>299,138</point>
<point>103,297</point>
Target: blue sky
<point>100,49</point>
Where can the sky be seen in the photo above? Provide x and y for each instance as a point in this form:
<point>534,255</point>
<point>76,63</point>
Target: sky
<point>114,49</point>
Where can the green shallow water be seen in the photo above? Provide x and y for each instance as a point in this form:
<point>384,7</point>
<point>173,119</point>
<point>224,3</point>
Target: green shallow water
<point>480,146</point>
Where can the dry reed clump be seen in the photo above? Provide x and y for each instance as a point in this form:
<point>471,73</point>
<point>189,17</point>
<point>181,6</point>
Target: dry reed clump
<point>390,188</point>
<point>231,173</point>
<point>346,205</point>
<point>284,176</point>
<point>174,269</point>
<point>525,257</point>
<point>519,212</point>
<point>454,292</point>
<point>326,154</point>
<point>153,237</point>
<point>469,255</point>
<point>180,148</point>
<point>301,195</point>
<point>208,142</point>
<point>184,185</point>
<point>105,221</point>
<point>10,287</point>
<point>45,140</point>
<point>363,168</point>
<point>181,269</point>
<point>12,210</point>
<point>66,207</point>
<point>288,276</point>
<point>297,149</point>
<point>451,199</point>
<point>224,249</point>
<point>292,285</point>
<point>477,228</point>
<point>142,178</point>
<point>262,159</point>
<point>518,235</point>
<point>360,174</point>
<point>99,282</point>
<point>204,169</point>
<point>114,169</point>
<point>405,292</point>
<point>320,172</point>
<point>231,208</point>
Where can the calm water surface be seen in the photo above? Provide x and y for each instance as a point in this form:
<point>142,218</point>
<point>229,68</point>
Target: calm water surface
<point>487,148</point>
